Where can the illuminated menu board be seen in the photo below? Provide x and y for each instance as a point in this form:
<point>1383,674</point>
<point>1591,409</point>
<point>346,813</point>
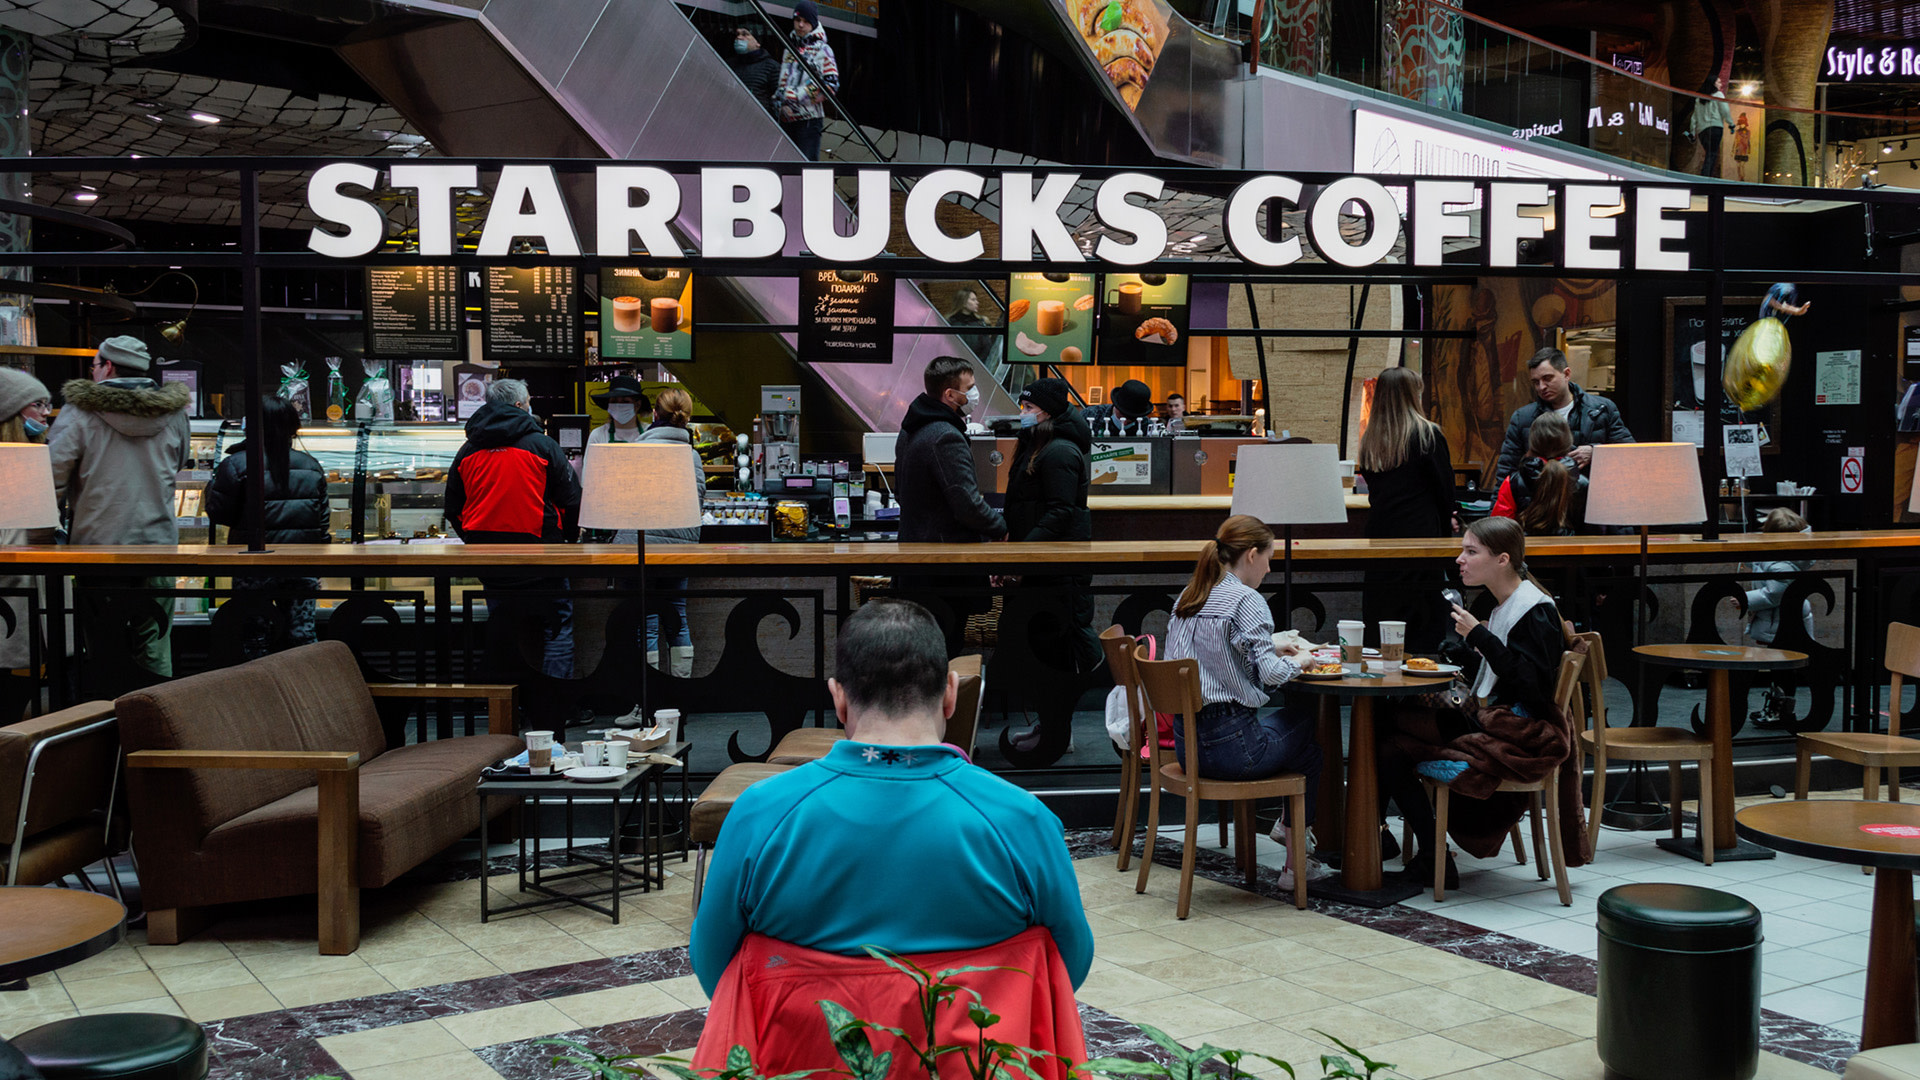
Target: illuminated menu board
<point>532,313</point>
<point>413,311</point>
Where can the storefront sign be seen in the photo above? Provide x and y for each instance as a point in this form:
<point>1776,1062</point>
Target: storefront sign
<point>1143,320</point>
<point>1050,318</point>
<point>846,316</point>
<point>1869,61</point>
<point>744,214</point>
<point>646,314</point>
<point>1629,63</point>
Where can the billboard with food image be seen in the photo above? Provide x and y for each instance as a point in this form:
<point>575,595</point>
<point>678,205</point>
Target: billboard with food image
<point>1143,319</point>
<point>1125,37</point>
<point>1050,318</point>
<point>646,314</point>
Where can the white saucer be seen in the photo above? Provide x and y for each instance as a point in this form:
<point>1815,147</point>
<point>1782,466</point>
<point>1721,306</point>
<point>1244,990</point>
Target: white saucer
<point>598,773</point>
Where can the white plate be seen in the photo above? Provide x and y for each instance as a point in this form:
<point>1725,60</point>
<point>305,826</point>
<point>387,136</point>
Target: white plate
<point>1438,670</point>
<point>598,773</point>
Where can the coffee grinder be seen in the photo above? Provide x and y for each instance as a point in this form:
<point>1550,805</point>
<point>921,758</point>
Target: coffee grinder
<point>776,437</point>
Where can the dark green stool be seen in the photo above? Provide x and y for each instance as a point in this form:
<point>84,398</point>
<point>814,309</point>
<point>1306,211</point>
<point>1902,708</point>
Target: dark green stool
<point>1679,984</point>
<point>117,1046</point>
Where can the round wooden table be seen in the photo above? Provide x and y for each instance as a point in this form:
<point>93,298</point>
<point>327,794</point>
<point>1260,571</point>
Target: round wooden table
<point>1717,661</point>
<point>1360,870</point>
<point>43,929</point>
<point>1885,835</point>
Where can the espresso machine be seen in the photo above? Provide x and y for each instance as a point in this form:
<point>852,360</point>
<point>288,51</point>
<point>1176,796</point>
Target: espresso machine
<point>776,439</point>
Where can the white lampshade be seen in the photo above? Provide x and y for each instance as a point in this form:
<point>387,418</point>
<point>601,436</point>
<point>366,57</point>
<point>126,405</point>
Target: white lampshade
<point>1290,484</point>
<point>1645,484</point>
<point>26,487</point>
<point>643,485</point>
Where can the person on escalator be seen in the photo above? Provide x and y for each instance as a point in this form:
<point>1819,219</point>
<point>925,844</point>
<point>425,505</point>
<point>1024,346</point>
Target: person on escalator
<point>755,67</point>
<point>799,100</point>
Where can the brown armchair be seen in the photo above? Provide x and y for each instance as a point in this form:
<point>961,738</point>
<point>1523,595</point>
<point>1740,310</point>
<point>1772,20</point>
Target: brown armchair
<point>272,778</point>
<point>57,779</point>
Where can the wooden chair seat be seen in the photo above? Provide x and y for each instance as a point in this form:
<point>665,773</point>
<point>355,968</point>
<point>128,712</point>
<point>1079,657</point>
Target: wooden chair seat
<point>1671,745</point>
<point>1873,752</point>
<point>1272,787</point>
<point>1652,744</point>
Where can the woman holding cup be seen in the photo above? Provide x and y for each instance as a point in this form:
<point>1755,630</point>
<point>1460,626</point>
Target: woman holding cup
<point>1222,621</point>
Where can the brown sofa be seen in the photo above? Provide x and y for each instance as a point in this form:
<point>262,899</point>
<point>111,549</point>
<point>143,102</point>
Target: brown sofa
<point>272,778</point>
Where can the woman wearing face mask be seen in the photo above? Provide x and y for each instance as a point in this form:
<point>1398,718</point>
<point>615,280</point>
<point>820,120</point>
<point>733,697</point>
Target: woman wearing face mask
<point>626,402</point>
<point>1047,500</point>
<point>24,404</point>
<point>670,418</point>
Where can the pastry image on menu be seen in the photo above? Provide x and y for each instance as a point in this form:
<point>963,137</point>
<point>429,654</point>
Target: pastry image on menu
<point>1050,318</point>
<point>1144,319</point>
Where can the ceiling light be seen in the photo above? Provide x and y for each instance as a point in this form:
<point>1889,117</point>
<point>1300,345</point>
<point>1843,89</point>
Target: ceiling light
<point>1886,148</point>
<point>156,118</point>
<point>85,196</point>
<point>1749,89</point>
<point>205,118</point>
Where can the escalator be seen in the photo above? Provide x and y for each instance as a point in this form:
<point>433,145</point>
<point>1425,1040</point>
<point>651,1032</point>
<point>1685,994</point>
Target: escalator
<point>618,79</point>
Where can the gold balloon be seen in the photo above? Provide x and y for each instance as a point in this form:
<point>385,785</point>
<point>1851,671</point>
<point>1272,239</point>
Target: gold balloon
<point>1757,364</point>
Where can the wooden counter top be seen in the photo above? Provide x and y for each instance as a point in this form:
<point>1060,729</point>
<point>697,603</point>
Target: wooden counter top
<point>1108,503</point>
<point>1163,555</point>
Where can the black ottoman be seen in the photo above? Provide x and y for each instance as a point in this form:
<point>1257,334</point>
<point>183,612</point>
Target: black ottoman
<point>1679,995</point>
<point>117,1046</point>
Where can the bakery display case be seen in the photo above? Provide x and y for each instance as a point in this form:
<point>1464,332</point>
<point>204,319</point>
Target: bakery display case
<point>385,481</point>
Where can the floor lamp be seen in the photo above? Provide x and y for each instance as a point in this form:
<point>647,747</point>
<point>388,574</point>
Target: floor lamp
<point>1288,484</point>
<point>1642,485</point>
<point>26,502</point>
<point>639,486</point>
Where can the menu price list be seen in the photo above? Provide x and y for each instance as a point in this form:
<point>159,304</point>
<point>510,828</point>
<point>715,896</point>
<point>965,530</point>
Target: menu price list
<point>532,312</point>
<point>413,311</point>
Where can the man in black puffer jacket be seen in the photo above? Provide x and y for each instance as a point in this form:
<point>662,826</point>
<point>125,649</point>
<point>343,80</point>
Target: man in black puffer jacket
<point>1595,421</point>
<point>279,613</point>
<point>933,476</point>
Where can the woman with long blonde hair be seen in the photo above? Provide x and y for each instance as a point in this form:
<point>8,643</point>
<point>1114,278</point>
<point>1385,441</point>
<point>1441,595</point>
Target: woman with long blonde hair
<point>1222,621</point>
<point>1408,468</point>
<point>24,404</point>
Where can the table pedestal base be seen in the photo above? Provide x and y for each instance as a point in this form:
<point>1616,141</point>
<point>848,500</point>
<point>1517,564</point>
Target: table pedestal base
<point>1889,1020</point>
<point>1388,894</point>
<point>1741,851</point>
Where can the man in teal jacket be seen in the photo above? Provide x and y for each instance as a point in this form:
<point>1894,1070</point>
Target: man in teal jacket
<point>894,839</point>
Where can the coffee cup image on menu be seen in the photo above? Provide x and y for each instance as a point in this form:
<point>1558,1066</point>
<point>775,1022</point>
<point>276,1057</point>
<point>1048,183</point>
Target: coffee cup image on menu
<point>1125,299</point>
<point>627,313</point>
<point>666,314</point>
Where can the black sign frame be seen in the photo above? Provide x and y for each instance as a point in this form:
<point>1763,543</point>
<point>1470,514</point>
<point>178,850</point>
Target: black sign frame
<point>846,316</point>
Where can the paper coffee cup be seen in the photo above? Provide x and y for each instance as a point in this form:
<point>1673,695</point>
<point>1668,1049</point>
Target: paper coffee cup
<point>669,719</point>
<point>593,752</point>
<point>1393,643</point>
<point>617,753</point>
<point>539,751</point>
<point>1353,634</point>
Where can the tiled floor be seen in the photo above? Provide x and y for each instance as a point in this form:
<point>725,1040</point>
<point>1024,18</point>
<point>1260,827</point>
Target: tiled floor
<point>433,994</point>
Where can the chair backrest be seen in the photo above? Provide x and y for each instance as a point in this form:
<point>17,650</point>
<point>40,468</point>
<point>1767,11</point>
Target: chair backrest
<point>310,698</point>
<point>1590,696</point>
<point>1903,660</point>
<point>1119,646</point>
<point>57,769</point>
<point>964,724</point>
<point>1570,664</point>
<point>1173,687</point>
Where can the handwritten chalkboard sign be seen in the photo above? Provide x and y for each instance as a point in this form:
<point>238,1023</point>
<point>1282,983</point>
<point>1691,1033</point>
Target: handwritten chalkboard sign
<point>846,316</point>
<point>413,311</point>
<point>532,313</point>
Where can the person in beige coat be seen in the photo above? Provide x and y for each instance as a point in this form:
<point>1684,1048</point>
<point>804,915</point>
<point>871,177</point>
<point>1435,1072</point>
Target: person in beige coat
<point>24,404</point>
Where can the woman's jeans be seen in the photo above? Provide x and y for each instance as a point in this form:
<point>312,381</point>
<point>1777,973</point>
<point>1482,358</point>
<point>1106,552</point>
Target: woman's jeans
<point>679,634</point>
<point>1238,742</point>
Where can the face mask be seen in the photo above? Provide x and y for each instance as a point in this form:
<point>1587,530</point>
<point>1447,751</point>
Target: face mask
<point>34,427</point>
<point>1028,419</point>
<point>973,398</point>
<point>622,414</point>
<point>741,47</point>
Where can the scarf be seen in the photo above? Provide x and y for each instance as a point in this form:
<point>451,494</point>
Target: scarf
<point>1504,618</point>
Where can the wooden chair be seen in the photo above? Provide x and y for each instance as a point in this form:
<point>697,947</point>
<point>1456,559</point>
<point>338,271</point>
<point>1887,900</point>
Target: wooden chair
<point>1119,646</point>
<point>1545,792</point>
<point>1870,751</point>
<point>1173,686</point>
<point>1671,745</point>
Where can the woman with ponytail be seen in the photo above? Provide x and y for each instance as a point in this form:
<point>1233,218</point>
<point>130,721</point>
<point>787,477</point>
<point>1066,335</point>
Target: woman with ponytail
<point>672,411</point>
<point>1547,493</point>
<point>1222,621</point>
<point>1504,722</point>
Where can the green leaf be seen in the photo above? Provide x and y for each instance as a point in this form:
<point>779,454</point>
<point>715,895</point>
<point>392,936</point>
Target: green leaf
<point>1288,1069</point>
<point>981,1017</point>
<point>738,1058</point>
<point>899,963</point>
<point>1366,1062</point>
<point>1165,1041</point>
<point>949,973</point>
<point>1119,1066</point>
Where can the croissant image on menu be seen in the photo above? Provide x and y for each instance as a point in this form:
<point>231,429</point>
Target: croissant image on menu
<point>1125,37</point>
<point>1156,331</point>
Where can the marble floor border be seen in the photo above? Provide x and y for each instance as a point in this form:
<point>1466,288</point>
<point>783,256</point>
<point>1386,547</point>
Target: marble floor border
<point>1788,1036</point>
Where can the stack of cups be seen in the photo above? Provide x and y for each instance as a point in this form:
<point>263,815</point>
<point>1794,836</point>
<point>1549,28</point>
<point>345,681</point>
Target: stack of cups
<point>1352,641</point>
<point>539,752</point>
<point>1393,645</point>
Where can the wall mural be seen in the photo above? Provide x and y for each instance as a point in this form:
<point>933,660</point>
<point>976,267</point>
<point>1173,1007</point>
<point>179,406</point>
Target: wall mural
<point>1423,48</point>
<point>1473,386</point>
<point>1125,38</point>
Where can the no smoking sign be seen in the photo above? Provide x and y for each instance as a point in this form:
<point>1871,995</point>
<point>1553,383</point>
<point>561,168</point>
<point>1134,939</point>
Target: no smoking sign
<point>1853,471</point>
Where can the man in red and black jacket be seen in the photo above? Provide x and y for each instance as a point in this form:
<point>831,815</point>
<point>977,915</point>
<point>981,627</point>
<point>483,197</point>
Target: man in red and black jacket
<point>511,484</point>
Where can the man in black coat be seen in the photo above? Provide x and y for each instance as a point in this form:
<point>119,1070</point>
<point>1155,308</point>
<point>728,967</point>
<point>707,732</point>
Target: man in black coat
<point>933,476</point>
<point>755,67</point>
<point>1595,421</point>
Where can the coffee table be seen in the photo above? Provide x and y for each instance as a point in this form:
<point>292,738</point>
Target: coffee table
<point>1885,835</point>
<point>43,929</point>
<point>1717,661</point>
<point>1361,877</point>
<point>643,790</point>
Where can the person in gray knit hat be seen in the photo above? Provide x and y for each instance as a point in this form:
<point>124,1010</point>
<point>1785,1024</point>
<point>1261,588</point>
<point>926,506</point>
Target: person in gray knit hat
<point>116,448</point>
<point>23,416</point>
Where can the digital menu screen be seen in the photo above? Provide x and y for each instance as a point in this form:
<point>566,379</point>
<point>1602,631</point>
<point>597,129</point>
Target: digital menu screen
<point>646,314</point>
<point>413,311</point>
<point>1143,319</point>
<point>532,313</point>
<point>1050,318</point>
<point>846,316</point>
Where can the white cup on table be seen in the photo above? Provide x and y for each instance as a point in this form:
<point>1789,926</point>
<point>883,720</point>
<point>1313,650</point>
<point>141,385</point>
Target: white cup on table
<point>1353,636</point>
<point>539,752</point>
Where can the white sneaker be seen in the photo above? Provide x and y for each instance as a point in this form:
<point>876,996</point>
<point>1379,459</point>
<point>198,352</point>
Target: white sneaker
<point>1315,872</point>
<point>633,719</point>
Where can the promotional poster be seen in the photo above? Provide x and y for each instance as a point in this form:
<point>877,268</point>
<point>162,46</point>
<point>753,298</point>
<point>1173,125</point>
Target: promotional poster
<point>1050,318</point>
<point>646,314</point>
<point>1143,319</point>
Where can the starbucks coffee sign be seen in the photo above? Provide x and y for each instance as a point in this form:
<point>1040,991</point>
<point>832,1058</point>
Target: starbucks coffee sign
<point>745,214</point>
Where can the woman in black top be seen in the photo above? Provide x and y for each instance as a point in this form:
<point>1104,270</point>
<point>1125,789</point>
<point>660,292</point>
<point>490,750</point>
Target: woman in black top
<point>1047,500</point>
<point>296,513</point>
<point>1409,472</point>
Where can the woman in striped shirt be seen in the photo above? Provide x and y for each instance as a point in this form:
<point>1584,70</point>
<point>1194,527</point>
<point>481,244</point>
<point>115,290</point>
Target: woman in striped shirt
<point>1222,621</point>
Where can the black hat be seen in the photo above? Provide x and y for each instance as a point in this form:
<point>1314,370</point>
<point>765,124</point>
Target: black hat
<point>622,386</point>
<point>1048,395</point>
<point>1132,399</point>
<point>805,10</point>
